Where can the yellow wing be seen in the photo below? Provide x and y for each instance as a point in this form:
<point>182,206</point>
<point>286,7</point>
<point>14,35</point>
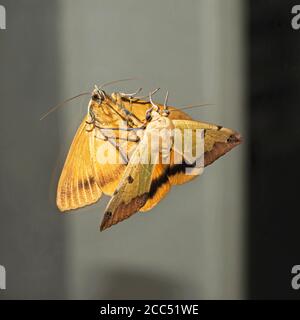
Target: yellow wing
<point>108,162</point>
<point>77,186</point>
<point>133,190</point>
<point>84,177</point>
<point>217,141</point>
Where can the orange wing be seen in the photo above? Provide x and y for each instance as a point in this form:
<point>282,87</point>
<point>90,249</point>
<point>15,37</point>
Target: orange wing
<point>77,186</point>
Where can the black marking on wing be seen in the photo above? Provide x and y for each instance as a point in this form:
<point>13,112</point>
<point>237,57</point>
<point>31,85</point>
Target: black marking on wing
<point>163,178</point>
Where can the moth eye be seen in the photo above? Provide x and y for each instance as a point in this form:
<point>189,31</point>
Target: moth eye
<point>148,116</point>
<point>95,97</point>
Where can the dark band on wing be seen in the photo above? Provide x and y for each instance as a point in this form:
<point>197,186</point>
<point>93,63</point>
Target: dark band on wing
<point>157,183</point>
<point>86,183</point>
<point>219,149</point>
<point>163,178</point>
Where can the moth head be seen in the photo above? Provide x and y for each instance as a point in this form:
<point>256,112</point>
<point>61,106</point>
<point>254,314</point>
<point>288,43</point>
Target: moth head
<point>98,95</point>
<point>95,104</point>
<point>165,112</point>
<point>148,115</point>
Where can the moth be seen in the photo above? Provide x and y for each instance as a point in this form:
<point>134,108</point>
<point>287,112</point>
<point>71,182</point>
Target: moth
<point>134,186</point>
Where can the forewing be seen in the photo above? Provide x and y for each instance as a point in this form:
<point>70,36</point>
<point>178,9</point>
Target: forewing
<point>218,140</point>
<point>108,163</point>
<point>133,190</point>
<point>160,186</point>
<point>77,186</point>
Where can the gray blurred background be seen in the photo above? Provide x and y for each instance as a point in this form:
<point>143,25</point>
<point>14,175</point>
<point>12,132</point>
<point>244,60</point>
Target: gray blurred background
<point>192,245</point>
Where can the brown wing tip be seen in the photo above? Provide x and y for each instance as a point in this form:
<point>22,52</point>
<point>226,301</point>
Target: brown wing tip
<point>235,139</point>
<point>106,221</point>
<point>123,212</point>
<point>220,148</point>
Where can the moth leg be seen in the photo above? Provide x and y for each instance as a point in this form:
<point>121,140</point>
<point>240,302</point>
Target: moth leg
<point>92,123</point>
<point>130,104</point>
<point>165,112</point>
<point>142,127</point>
<point>133,138</point>
<point>118,147</point>
<point>154,107</point>
<point>130,117</point>
<point>136,139</point>
<point>131,95</point>
<point>112,141</point>
<point>143,97</point>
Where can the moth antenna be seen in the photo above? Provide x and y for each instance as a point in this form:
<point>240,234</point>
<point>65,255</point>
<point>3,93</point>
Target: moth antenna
<point>131,95</point>
<point>62,103</point>
<point>195,106</point>
<point>116,81</point>
<point>166,100</point>
<point>165,112</point>
<point>148,115</point>
<point>152,103</point>
<point>152,93</point>
<point>101,92</point>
